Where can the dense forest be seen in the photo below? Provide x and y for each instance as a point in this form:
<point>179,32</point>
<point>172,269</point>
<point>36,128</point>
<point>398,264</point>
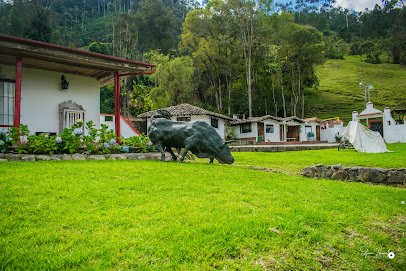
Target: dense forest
<point>251,57</point>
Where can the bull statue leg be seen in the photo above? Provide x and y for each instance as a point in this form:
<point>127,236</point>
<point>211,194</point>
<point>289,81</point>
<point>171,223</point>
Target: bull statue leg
<point>169,149</point>
<point>162,150</point>
<point>184,153</point>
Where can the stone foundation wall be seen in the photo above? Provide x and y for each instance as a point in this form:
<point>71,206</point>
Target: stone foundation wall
<point>391,176</point>
<point>77,156</point>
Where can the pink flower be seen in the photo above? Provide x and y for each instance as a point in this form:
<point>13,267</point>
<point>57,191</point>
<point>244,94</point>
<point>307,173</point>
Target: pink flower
<point>23,141</point>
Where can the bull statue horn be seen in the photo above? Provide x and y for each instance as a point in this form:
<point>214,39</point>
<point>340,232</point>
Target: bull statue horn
<point>230,141</point>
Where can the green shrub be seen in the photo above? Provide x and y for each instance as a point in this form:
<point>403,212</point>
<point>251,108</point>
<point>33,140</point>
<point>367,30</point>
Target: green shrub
<point>138,143</point>
<point>71,141</point>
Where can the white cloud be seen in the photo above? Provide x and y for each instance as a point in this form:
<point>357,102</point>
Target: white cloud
<point>358,5</point>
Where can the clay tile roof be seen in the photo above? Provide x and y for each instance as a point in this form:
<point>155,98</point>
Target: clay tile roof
<point>315,119</point>
<point>185,110</point>
<point>255,119</point>
<point>295,119</point>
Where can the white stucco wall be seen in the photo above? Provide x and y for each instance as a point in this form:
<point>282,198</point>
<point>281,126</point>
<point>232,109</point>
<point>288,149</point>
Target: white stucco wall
<point>253,133</point>
<point>41,94</point>
<point>313,125</point>
<point>125,129</point>
<point>272,137</point>
<point>328,134</point>
<point>205,118</point>
<point>392,132</point>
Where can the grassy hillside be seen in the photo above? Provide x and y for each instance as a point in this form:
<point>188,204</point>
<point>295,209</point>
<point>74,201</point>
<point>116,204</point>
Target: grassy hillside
<point>339,94</point>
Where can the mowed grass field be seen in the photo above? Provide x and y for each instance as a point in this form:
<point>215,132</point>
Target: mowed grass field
<point>339,94</point>
<point>151,215</point>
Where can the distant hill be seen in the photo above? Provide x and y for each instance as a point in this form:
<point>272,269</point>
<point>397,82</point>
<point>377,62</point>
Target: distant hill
<point>339,94</point>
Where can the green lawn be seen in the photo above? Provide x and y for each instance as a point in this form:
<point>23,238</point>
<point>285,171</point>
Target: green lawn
<point>293,161</point>
<point>150,215</point>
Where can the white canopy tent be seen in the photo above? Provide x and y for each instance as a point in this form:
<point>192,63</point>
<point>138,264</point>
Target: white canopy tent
<point>363,139</point>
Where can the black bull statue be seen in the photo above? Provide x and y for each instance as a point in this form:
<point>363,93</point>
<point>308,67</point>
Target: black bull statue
<point>196,136</point>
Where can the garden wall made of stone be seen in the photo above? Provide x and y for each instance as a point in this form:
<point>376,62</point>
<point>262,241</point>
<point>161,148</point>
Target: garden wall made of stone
<point>77,156</point>
<point>391,176</point>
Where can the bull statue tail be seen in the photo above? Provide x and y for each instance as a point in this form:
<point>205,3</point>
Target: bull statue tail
<point>162,113</point>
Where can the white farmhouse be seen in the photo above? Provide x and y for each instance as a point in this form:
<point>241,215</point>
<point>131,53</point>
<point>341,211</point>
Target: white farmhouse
<point>187,112</point>
<point>48,87</point>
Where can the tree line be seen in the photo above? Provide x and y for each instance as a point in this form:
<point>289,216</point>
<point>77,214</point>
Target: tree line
<point>251,57</point>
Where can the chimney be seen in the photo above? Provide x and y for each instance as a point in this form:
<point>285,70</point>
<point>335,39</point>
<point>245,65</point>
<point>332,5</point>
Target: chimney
<point>354,116</point>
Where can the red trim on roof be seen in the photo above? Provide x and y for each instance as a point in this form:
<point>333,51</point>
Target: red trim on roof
<point>376,113</point>
<point>73,50</point>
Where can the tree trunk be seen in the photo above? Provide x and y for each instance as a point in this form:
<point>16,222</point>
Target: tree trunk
<point>229,96</point>
<point>281,83</point>
<point>220,98</point>
<point>274,99</point>
<point>112,21</point>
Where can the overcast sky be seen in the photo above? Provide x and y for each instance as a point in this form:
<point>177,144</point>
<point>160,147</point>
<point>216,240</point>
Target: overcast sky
<point>358,5</point>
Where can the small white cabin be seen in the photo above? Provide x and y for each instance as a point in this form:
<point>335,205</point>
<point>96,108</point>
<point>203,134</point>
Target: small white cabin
<point>187,112</point>
<point>273,129</point>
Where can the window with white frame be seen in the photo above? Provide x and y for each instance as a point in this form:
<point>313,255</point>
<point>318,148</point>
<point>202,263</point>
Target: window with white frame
<point>245,128</point>
<point>269,129</point>
<point>183,118</point>
<point>108,118</point>
<point>7,102</point>
<point>214,122</point>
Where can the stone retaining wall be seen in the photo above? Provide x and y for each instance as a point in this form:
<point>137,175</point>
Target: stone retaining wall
<point>77,156</point>
<point>356,174</point>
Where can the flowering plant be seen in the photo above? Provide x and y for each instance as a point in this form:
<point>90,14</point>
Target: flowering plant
<point>71,141</point>
<point>58,140</point>
<point>5,142</point>
<point>78,131</point>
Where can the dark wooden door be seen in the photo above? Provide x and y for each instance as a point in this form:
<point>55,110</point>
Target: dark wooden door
<point>318,133</point>
<point>377,126</point>
<point>261,131</point>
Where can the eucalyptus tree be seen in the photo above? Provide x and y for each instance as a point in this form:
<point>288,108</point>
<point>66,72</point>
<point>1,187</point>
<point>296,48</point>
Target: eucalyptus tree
<point>112,8</point>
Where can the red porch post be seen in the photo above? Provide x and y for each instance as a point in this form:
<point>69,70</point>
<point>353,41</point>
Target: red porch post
<point>117,104</point>
<point>17,93</point>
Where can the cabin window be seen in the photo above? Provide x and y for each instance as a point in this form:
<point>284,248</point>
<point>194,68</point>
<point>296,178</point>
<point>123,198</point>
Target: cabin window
<point>215,123</point>
<point>308,129</point>
<point>183,118</point>
<point>47,133</point>
<point>245,128</point>
<point>7,102</point>
<point>269,129</point>
<point>108,118</point>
